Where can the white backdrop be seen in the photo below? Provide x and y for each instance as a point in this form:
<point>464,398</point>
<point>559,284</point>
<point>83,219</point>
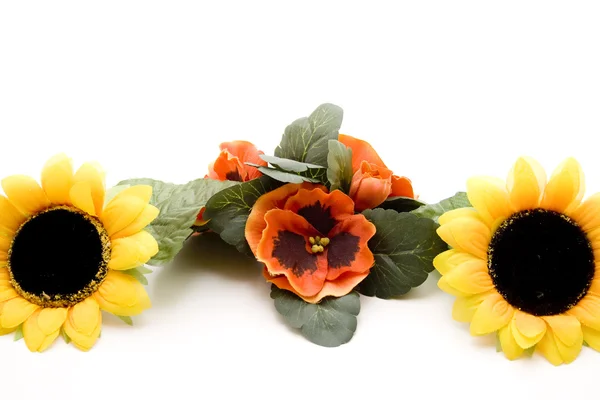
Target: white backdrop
<point>443,90</point>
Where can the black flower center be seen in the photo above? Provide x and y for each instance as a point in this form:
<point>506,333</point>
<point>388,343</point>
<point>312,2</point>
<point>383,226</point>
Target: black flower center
<point>59,257</point>
<point>541,262</point>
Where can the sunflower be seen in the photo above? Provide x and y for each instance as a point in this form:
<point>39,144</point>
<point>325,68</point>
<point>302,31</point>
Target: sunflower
<point>524,259</point>
<point>64,253</point>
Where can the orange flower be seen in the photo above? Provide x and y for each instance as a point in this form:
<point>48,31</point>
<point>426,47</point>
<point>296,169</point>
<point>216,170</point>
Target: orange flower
<point>231,166</point>
<point>310,241</point>
<point>372,182</point>
<point>231,163</point>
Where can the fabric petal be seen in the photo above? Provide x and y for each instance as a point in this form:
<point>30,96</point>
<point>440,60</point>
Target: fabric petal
<point>15,312</point>
<point>50,320</point>
<point>25,194</point>
<point>57,179</point>
<point>587,311</point>
<point>490,198</point>
<point>122,294</point>
<point>471,277</point>
<point>450,259</point>
<point>493,313</point>
<point>527,329</point>
<point>465,307</point>
<point>557,352</point>
<point>591,337</point>
<point>84,323</point>
<point>587,215</point>
<point>444,286</point>
<point>35,338</point>
<point>361,151</point>
<point>566,328</point>
<point>466,212</point>
<point>510,347</point>
<point>468,235</point>
<point>148,215</point>
<point>132,251</point>
<point>402,186</point>
<point>525,183</point>
<point>565,189</point>
<point>92,174</point>
<point>121,212</point>
<point>81,197</point>
<point>10,217</point>
<point>246,152</point>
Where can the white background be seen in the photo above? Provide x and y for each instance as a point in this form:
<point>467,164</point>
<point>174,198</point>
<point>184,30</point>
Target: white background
<point>443,90</point>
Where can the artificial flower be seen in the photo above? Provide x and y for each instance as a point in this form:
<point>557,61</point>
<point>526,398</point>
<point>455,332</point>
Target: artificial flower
<point>64,253</point>
<point>310,241</point>
<point>231,166</point>
<point>372,182</point>
<point>524,261</point>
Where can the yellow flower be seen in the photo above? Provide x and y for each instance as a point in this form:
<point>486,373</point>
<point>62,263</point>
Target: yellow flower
<point>524,259</point>
<point>62,250</point>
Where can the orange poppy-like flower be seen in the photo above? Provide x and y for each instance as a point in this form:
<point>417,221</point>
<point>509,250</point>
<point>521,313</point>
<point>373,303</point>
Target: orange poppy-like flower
<point>310,241</point>
<point>231,166</point>
<point>372,182</point>
<point>231,163</point>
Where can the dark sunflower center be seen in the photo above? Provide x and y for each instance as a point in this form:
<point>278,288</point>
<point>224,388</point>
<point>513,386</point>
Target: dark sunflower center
<point>541,262</point>
<point>59,257</point>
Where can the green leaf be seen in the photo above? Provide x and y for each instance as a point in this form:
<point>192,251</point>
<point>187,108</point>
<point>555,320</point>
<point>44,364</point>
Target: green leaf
<point>66,337</point>
<point>339,162</point>
<point>137,274</point>
<point>144,270</point>
<point>19,333</point>
<point>434,211</point>
<point>404,247</point>
<point>288,165</point>
<point>127,320</point>
<point>286,177</point>
<point>306,139</point>
<point>179,206</point>
<point>330,323</point>
<point>228,210</point>
<point>401,204</point>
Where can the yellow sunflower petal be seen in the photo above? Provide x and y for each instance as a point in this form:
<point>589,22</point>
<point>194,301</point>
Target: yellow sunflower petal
<point>587,215</point>
<point>122,294</point>
<point>443,285</point>
<point>94,177</point>
<point>471,277</point>
<point>35,337</point>
<point>459,213</point>
<point>143,192</point>
<point>490,199</point>
<point>464,307</point>
<point>557,352</point>
<point>51,319</point>
<point>566,328</point>
<point>148,215</point>
<point>121,212</point>
<point>10,217</point>
<point>450,259</point>
<point>81,197</point>
<point>587,311</point>
<point>492,314</point>
<point>16,311</point>
<point>132,251</point>
<point>591,337</point>
<point>510,347</point>
<point>57,179</point>
<point>525,183</point>
<point>25,194</point>
<point>7,292</point>
<point>5,242</point>
<point>84,323</point>
<point>527,329</point>
<point>468,235</point>
<point>565,188</point>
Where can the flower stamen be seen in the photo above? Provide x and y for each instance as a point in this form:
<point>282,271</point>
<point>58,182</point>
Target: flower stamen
<point>318,243</point>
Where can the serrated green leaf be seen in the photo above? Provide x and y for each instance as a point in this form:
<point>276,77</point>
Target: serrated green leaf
<point>19,333</point>
<point>339,163</point>
<point>137,275</point>
<point>66,337</point>
<point>112,192</point>
<point>228,210</point>
<point>288,165</point>
<point>330,323</point>
<point>127,320</point>
<point>434,211</point>
<point>179,206</point>
<point>286,177</point>
<point>404,247</point>
<point>306,139</point>
<point>144,270</point>
<point>401,204</point>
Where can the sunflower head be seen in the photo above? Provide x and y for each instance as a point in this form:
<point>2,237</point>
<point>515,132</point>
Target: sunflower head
<point>523,261</point>
<point>65,253</point>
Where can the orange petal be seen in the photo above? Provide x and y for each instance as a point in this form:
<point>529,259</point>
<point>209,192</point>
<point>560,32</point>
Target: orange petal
<point>274,199</point>
<point>246,152</point>
<point>361,151</point>
<point>320,209</point>
<point>285,250</point>
<point>370,186</point>
<point>402,186</point>
<point>348,250</point>
<point>227,167</point>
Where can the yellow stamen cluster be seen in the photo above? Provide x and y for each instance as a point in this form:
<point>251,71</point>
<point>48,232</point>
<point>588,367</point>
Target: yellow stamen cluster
<point>318,243</point>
